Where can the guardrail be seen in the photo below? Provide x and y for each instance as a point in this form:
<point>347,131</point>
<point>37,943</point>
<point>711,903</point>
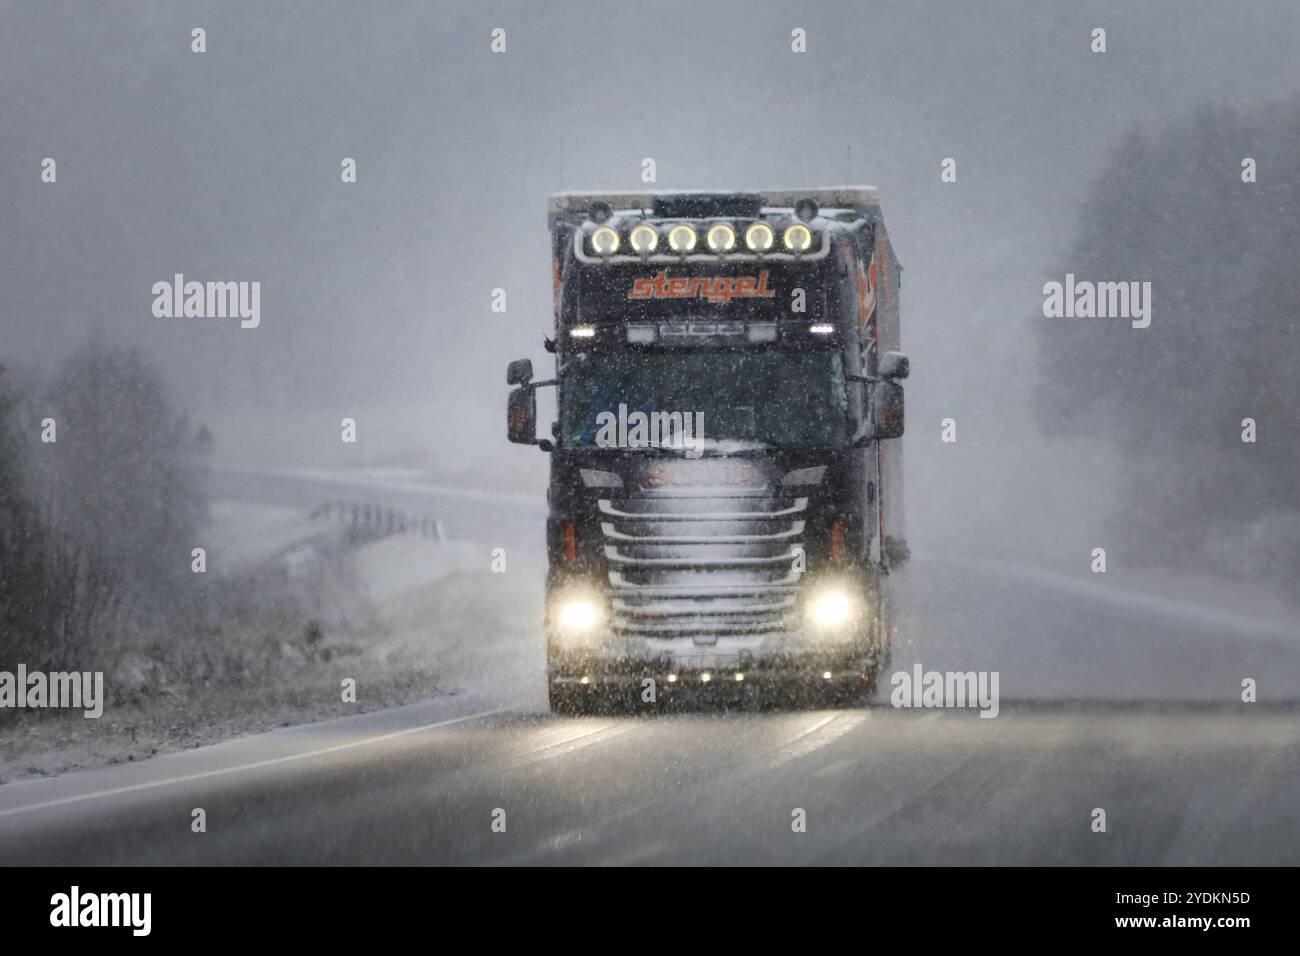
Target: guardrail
<point>380,521</point>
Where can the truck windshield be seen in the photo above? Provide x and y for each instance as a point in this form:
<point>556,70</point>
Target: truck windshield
<point>757,399</point>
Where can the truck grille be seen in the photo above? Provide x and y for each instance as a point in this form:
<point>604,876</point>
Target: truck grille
<point>702,566</point>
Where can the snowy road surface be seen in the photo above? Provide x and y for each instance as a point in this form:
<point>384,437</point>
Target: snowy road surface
<point>1179,785</point>
<point>1112,698</point>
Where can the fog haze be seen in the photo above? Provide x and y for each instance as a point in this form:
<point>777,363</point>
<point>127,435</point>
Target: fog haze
<point>376,295</point>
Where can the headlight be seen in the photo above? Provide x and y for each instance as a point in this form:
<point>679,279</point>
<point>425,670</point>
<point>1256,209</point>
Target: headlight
<point>721,238</point>
<point>578,616</point>
<point>644,239</point>
<point>681,238</point>
<point>759,237</point>
<point>605,241</point>
<point>830,608</point>
<point>797,238</point>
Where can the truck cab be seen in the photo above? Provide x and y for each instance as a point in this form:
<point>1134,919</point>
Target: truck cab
<point>725,497</point>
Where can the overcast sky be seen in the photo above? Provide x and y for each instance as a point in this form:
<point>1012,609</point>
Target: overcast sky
<point>225,166</point>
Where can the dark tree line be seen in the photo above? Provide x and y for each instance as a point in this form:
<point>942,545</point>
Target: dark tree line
<point>96,527</point>
<point>1223,257</point>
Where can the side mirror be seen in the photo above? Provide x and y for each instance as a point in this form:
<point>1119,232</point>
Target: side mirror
<point>519,372</point>
<point>896,551</point>
<point>889,408</point>
<point>894,365</point>
<point>521,413</point>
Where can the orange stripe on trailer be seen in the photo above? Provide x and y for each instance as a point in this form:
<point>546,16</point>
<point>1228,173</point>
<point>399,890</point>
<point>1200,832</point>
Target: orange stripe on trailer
<point>557,285</point>
<point>884,272</point>
<point>570,543</point>
<point>865,282</point>
<point>882,295</point>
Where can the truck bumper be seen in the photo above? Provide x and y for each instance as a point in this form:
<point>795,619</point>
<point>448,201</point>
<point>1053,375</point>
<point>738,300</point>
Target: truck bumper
<point>680,663</point>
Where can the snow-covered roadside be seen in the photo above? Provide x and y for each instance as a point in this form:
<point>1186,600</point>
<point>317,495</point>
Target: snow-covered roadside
<point>481,627</point>
<point>427,619</point>
<point>1143,635</point>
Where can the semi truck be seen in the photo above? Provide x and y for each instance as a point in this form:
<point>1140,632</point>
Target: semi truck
<point>725,501</point>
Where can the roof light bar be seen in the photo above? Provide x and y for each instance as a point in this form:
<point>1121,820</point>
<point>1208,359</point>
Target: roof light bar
<point>759,237</point>
<point>605,241</point>
<point>681,238</point>
<point>721,238</point>
<point>797,238</point>
<point>644,239</point>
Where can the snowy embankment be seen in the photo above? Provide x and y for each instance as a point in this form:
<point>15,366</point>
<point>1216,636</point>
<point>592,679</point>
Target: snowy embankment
<point>405,617</point>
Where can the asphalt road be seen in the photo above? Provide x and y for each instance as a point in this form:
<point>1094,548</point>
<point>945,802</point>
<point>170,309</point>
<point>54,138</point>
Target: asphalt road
<point>1179,785</point>
<point>1111,699</point>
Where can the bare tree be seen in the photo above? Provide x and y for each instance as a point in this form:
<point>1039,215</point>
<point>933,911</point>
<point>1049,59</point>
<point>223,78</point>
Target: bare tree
<point>1175,206</point>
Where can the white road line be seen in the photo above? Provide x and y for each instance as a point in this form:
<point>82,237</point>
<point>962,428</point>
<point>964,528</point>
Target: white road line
<point>806,742</point>
<point>801,744</point>
<point>639,855</point>
<point>555,736</point>
<point>573,744</point>
<point>813,728</point>
<point>270,762</point>
<point>569,736</point>
<point>831,769</point>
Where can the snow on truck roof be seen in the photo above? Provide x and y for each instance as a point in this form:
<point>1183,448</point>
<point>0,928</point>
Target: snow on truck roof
<point>866,198</point>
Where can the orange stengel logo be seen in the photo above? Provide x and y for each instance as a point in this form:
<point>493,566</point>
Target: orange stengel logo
<point>717,289</point>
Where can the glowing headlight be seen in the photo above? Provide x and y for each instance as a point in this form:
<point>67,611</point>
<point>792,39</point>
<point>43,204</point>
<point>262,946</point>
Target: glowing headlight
<point>721,238</point>
<point>829,609</point>
<point>681,238</point>
<point>605,241</point>
<point>644,239</point>
<point>578,616</point>
<point>759,237</point>
<point>797,238</point>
